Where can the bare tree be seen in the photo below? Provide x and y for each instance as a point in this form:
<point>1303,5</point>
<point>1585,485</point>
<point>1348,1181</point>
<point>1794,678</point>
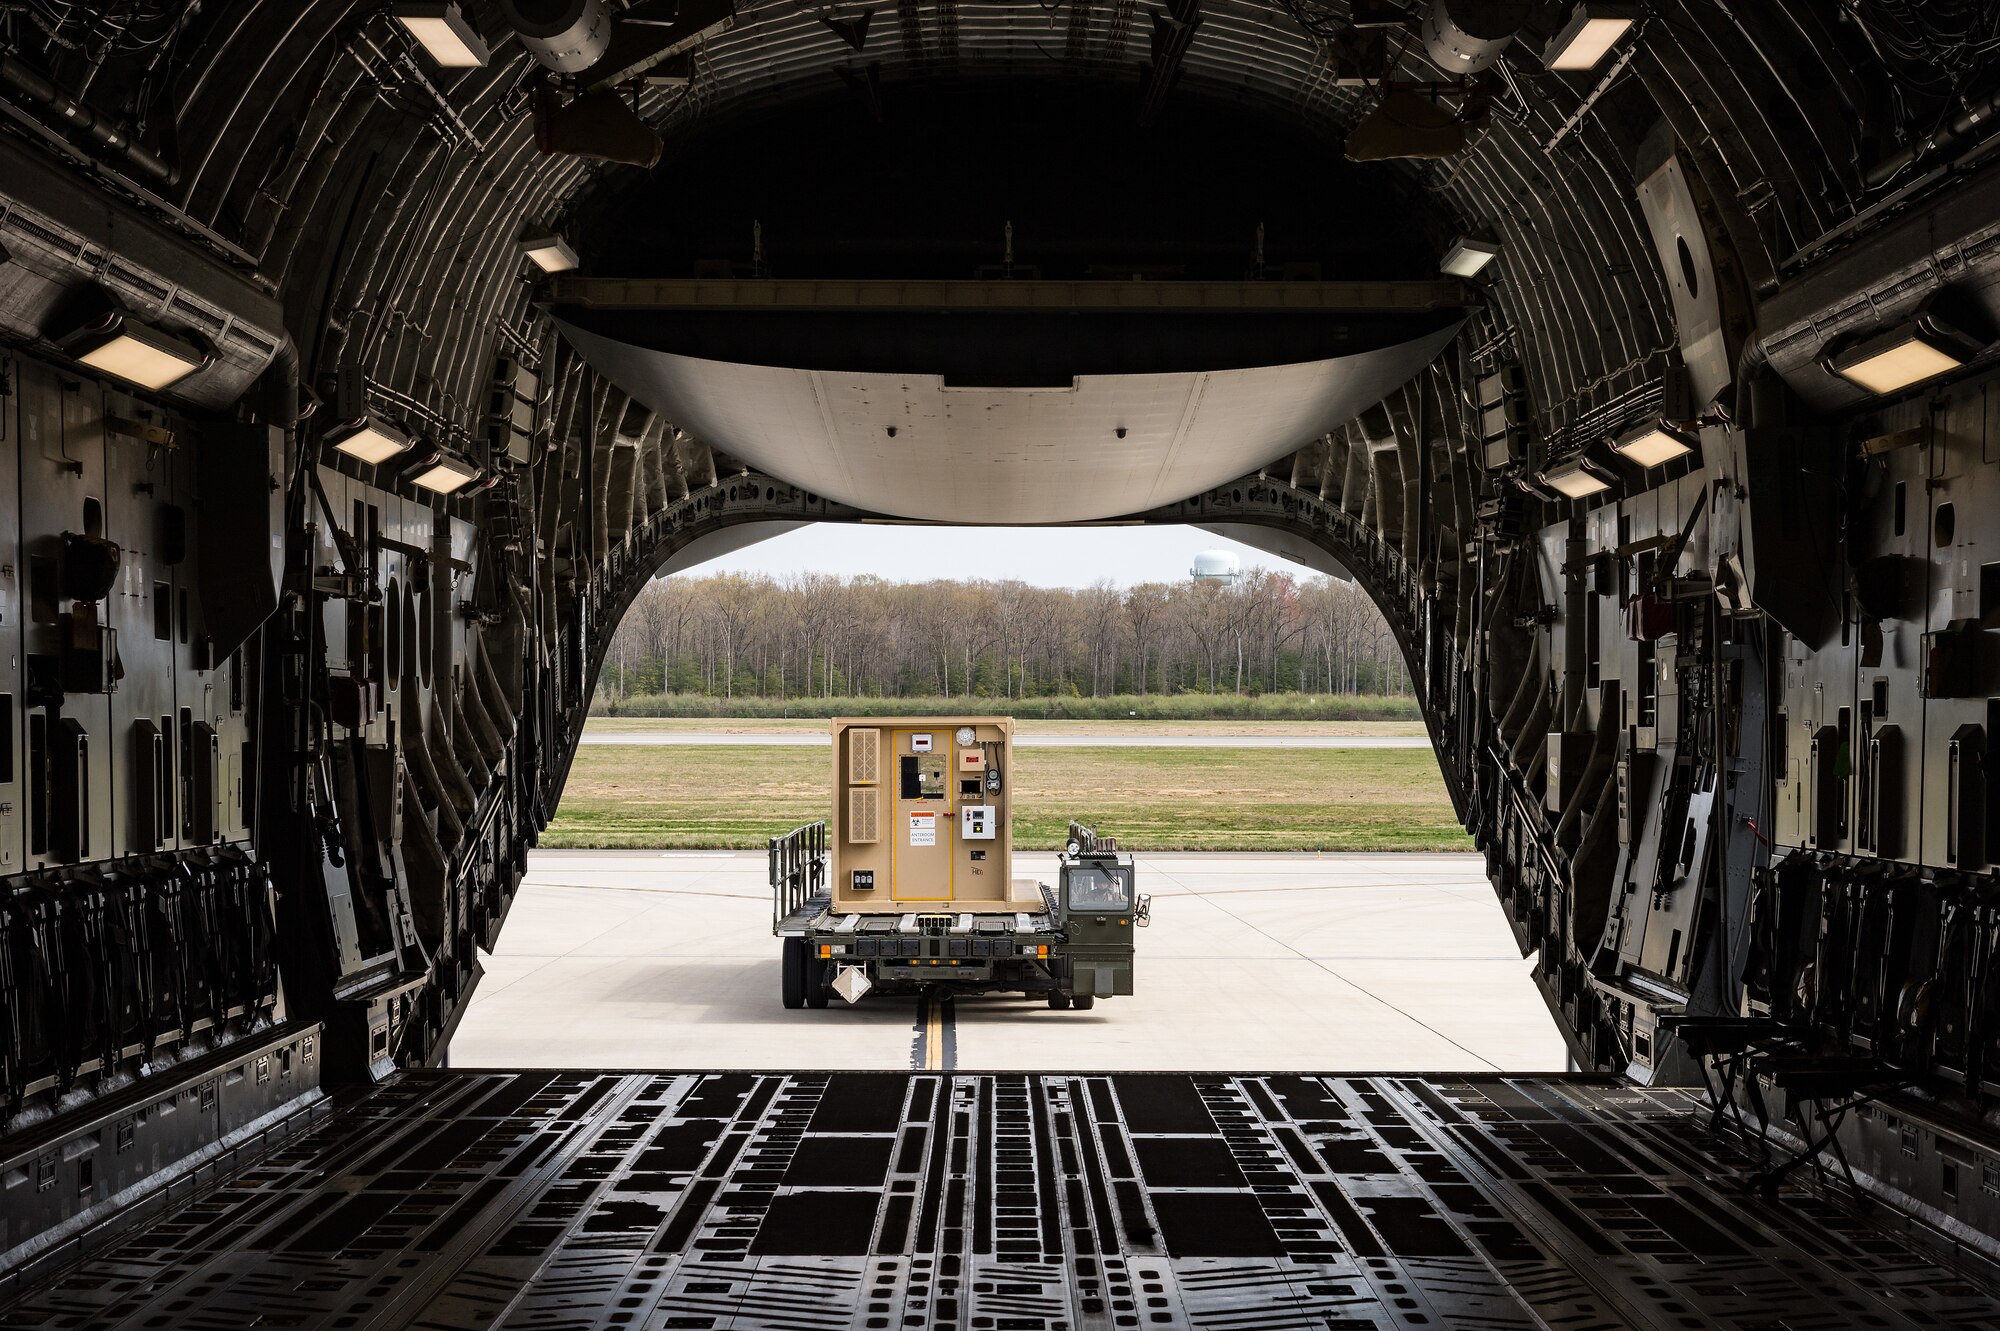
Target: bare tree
<point>731,605</point>
<point>818,635</point>
<point>1104,619</point>
<point>1144,607</point>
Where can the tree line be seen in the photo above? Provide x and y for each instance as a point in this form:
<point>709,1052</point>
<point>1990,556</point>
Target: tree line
<point>730,635</point>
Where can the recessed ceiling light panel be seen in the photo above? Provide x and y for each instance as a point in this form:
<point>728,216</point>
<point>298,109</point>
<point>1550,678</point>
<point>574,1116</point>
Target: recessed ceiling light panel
<point>550,253</point>
<point>443,473</point>
<point>444,33</point>
<point>370,440</point>
<point>1575,479</point>
<point>133,350</point>
<point>1651,444</point>
<point>1588,36</point>
<point>1468,256</point>
<point>1903,356</point>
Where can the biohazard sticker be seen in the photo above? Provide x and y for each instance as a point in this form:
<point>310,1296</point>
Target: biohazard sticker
<point>923,829</point>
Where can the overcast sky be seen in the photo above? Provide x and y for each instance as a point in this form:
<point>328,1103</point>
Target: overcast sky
<point>1044,556</point>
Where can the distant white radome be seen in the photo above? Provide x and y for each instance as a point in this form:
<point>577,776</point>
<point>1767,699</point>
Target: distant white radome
<point>1216,566</point>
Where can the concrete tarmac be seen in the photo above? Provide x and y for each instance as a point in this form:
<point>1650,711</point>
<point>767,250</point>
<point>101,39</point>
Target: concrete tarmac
<point>1254,962</point>
<point>729,739</point>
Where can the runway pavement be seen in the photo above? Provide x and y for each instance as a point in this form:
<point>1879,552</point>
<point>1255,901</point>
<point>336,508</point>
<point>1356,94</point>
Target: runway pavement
<point>652,959</point>
<point>732,739</point>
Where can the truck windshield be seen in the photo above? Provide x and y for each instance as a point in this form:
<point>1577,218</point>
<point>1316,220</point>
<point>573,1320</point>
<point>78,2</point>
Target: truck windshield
<point>1097,889</point>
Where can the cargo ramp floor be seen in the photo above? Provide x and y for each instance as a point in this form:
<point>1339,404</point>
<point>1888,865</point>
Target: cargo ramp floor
<point>1009,1202</point>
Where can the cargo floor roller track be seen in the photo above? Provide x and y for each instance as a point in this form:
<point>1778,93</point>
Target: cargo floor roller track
<point>1029,1202</point>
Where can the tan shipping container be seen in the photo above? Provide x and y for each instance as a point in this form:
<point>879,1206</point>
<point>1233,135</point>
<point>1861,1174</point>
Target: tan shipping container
<point>922,816</point>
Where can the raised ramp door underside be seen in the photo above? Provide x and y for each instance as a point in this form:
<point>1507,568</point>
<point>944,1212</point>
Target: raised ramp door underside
<point>1023,1203</point>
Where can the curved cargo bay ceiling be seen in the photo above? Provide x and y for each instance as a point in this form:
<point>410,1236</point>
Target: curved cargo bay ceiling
<point>940,440</point>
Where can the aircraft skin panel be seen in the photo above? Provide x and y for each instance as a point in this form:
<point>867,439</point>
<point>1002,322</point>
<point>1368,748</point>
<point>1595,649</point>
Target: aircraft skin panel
<point>918,446</point>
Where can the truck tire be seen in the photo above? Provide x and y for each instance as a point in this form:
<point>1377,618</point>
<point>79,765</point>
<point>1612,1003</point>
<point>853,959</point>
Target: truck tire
<point>1058,1001</point>
<point>792,963</point>
<point>1083,1002</point>
<point>816,981</point>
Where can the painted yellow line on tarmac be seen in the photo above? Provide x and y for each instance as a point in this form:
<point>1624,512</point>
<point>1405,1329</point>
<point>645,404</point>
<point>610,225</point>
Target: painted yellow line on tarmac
<point>934,1035</point>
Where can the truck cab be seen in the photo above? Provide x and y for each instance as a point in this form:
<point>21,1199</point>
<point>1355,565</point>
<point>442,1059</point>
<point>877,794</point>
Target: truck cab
<point>1098,910</point>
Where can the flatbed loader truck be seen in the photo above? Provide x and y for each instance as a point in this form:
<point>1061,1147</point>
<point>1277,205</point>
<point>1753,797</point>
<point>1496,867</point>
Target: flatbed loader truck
<point>909,887</point>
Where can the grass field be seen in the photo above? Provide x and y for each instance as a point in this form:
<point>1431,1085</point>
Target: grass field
<point>1151,799</point>
<point>1113,707</point>
<point>800,725</point>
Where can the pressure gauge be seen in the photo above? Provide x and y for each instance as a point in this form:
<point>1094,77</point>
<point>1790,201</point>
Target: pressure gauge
<point>965,736</point>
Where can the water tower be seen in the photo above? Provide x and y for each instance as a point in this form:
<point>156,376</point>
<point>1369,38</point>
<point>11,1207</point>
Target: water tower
<point>1216,566</point>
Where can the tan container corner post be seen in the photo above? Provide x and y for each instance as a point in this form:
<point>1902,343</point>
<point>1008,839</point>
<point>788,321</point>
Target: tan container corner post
<point>922,810</point>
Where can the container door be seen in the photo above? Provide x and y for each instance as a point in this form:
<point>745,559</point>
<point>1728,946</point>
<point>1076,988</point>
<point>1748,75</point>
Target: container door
<point>923,828</point>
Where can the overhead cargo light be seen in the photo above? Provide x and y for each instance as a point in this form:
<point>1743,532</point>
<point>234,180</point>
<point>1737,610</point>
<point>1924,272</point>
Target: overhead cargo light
<point>567,36</point>
<point>444,473</point>
<point>1907,354</point>
<point>551,253</point>
<point>1468,256</point>
<point>1593,29</point>
<point>119,343</point>
<point>1466,37</point>
<point>369,440</point>
<point>1651,444</point>
<point>443,32</point>
<point>1576,479</point>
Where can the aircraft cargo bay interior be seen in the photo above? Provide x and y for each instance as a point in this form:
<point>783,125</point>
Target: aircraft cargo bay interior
<point>1565,893</point>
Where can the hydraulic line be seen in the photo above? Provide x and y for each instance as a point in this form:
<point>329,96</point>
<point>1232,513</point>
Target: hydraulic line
<point>110,137</point>
<point>1949,138</point>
